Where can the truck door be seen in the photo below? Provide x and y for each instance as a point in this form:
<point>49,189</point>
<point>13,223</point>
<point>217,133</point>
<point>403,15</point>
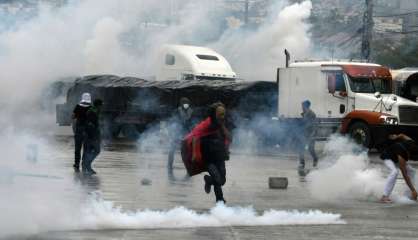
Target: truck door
<point>336,99</point>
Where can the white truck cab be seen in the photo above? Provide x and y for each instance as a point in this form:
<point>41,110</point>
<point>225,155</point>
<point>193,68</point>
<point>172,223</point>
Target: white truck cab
<point>352,97</point>
<point>183,62</point>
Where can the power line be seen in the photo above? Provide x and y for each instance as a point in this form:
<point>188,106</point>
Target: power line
<point>397,32</point>
<point>398,14</point>
<point>367,30</point>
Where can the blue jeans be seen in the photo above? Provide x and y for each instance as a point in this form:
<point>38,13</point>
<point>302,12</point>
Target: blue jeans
<point>91,151</point>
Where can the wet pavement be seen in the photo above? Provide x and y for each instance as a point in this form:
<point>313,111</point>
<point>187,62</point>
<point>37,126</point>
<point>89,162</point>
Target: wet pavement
<point>135,178</point>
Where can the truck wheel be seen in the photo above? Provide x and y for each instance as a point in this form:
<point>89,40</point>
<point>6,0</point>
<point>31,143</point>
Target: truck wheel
<point>360,133</point>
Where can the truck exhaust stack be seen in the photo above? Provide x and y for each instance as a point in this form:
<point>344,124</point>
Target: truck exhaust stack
<point>287,57</point>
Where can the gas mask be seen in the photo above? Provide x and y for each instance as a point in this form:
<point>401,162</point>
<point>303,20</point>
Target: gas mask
<point>186,106</point>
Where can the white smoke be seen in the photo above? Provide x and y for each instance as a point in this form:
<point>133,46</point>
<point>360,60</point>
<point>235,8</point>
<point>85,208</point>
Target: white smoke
<point>103,215</point>
<point>36,192</point>
<point>257,55</point>
<point>346,173</point>
<point>113,37</point>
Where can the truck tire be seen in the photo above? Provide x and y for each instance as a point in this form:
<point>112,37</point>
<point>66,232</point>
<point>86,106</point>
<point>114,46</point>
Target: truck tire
<point>361,134</point>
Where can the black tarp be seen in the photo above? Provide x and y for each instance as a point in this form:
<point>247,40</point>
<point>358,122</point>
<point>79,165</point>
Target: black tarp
<point>122,95</point>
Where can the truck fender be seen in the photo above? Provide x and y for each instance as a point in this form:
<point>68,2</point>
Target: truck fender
<point>369,117</point>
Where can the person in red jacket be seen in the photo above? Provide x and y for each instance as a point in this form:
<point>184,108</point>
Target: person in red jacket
<point>208,143</point>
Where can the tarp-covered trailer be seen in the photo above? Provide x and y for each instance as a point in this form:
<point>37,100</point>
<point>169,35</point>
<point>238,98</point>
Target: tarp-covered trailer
<point>136,104</point>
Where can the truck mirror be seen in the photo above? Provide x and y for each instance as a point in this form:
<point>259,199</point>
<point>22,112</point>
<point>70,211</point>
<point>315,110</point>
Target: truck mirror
<point>331,84</point>
<point>377,94</point>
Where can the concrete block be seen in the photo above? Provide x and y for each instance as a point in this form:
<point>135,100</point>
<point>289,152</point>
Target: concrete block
<point>278,182</point>
<point>146,182</point>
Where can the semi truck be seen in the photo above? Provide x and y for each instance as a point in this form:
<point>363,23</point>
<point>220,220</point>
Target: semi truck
<point>353,98</point>
<point>133,105</point>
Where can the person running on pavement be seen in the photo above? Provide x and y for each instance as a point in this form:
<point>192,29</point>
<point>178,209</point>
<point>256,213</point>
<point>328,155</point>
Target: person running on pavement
<point>307,135</point>
<point>214,139</point>
<point>93,140</point>
<point>395,156</point>
<point>79,127</point>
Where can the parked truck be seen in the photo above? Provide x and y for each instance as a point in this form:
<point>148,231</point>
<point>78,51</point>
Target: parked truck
<point>349,97</point>
<point>133,105</point>
<point>352,98</point>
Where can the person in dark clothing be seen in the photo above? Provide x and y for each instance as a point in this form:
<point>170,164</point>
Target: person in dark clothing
<point>184,115</point>
<point>92,143</point>
<point>307,135</point>
<point>214,149</point>
<point>79,127</point>
<point>397,152</point>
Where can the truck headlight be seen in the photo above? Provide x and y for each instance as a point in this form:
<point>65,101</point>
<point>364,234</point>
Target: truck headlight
<point>389,120</point>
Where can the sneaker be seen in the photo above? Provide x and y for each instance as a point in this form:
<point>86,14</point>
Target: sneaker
<point>385,199</point>
<point>207,183</point>
<point>222,200</point>
<point>89,172</point>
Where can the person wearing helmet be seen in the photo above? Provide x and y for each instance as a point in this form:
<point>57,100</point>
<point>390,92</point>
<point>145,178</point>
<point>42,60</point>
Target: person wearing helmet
<point>79,127</point>
<point>307,135</point>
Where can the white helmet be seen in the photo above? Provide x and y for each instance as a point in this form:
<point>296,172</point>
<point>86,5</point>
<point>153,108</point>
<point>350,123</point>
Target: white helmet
<point>86,98</point>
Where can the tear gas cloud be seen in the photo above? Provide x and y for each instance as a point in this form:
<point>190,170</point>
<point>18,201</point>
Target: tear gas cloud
<point>103,215</point>
<point>36,193</point>
<point>51,42</point>
<point>345,172</point>
<point>123,38</point>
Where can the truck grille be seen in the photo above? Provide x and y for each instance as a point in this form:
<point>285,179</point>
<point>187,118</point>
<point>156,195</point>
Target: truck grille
<point>408,114</point>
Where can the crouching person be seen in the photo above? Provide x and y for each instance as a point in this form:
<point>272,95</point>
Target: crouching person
<point>208,143</point>
<point>395,156</point>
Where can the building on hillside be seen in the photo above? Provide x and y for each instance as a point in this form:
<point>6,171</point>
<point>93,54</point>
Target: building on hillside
<point>410,19</point>
<point>388,24</point>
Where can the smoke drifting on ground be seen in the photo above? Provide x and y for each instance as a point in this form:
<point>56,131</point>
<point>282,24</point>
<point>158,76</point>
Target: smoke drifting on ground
<point>103,215</point>
<point>345,173</point>
<point>36,193</point>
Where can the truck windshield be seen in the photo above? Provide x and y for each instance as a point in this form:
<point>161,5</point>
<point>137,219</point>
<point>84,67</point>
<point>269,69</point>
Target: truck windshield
<point>369,85</point>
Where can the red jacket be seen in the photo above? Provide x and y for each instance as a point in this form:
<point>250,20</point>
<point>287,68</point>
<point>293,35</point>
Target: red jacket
<point>203,129</point>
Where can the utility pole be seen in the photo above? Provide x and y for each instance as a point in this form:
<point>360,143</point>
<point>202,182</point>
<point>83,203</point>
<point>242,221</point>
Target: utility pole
<point>367,30</point>
<point>246,12</point>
